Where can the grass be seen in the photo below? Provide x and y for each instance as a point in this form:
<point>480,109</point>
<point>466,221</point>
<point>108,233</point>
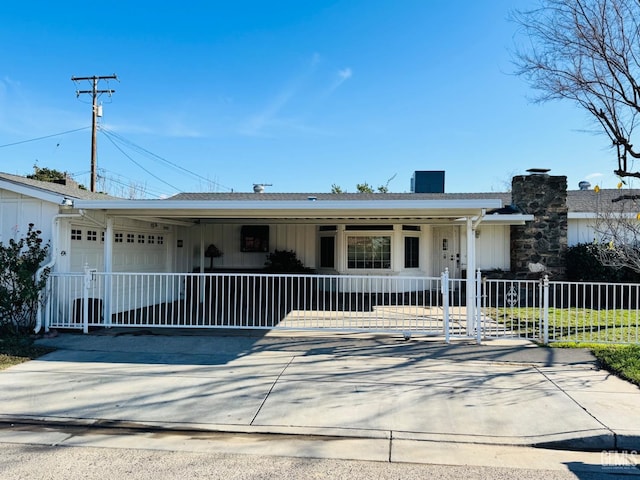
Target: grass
<point>15,349</point>
<point>573,324</point>
<point>622,360</point>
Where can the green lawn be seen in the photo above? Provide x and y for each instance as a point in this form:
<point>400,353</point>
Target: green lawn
<point>18,349</point>
<point>622,360</point>
<point>580,325</point>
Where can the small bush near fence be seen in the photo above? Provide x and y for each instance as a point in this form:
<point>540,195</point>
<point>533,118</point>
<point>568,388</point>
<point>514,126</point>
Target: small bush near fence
<point>284,261</point>
<point>583,265</point>
<point>19,288</point>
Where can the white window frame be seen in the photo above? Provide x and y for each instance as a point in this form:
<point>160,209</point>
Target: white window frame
<point>369,234</point>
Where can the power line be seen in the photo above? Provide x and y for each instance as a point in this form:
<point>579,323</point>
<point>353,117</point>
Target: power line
<point>43,138</point>
<point>153,156</point>
<point>138,164</point>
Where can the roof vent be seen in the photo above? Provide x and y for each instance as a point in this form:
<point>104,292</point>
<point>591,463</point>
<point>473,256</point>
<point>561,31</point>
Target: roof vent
<point>584,185</point>
<point>538,171</point>
<point>312,198</point>
<point>259,187</point>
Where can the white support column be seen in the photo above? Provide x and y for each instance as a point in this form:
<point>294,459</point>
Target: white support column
<point>478,307</point>
<point>201,248</point>
<point>109,238</point>
<point>444,289</point>
<point>471,279</point>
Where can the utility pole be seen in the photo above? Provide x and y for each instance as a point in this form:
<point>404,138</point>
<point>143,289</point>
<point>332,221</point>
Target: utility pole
<point>95,93</point>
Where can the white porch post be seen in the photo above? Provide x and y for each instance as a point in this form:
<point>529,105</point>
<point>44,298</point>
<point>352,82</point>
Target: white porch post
<point>471,279</point>
<point>108,269</point>
<point>201,248</point>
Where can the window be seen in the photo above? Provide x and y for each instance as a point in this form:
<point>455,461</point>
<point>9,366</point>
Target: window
<point>151,239</point>
<point>369,252</point>
<point>254,238</point>
<point>140,238</point>
<point>102,237</point>
<point>130,237</point>
<point>411,252</point>
<point>327,252</point>
<point>92,235</point>
<point>76,234</point>
<point>118,238</point>
<point>160,239</point>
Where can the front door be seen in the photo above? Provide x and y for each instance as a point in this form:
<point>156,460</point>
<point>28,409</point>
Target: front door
<point>446,250</point>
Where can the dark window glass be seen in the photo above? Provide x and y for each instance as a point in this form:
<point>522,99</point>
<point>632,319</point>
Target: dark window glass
<point>254,238</point>
<point>327,252</point>
<point>411,252</point>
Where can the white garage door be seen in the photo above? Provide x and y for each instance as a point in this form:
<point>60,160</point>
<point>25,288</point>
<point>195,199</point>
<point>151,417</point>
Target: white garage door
<point>133,251</point>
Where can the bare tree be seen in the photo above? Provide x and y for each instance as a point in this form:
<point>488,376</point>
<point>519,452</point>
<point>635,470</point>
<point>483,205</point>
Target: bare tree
<point>588,51</point>
<point>617,230</point>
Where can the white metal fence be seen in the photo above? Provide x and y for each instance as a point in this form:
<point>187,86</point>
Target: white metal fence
<point>555,311</point>
<point>538,310</point>
<point>422,305</point>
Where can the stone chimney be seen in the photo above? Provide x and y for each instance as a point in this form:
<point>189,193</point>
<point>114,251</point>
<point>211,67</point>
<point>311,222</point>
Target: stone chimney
<point>539,247</point>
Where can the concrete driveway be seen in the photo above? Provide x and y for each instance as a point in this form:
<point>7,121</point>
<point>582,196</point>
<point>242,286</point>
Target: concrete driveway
<point>404,393</point>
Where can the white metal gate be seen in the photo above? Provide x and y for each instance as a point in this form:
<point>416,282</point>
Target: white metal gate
<point>407,305</point>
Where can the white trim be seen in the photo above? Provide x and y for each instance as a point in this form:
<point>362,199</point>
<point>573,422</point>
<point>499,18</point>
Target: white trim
<point>502,219</point>
<point>595,215</point>
<point>33,192</point>
<point>299,209</point>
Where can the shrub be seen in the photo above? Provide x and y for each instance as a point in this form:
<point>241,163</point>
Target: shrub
<point>19,288</point>
<point>284,261</point>
<point>583,265</point>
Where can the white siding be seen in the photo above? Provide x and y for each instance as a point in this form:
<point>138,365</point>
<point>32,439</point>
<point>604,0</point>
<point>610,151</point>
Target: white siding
<point>18,211</point>
<point>299,238</point>
<point>580,231</point>
<point>493,247</point>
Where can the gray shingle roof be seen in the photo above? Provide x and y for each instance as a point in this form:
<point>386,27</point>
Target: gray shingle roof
<point>67,190</point>
<point>577,200</point>
<point>338,196</point>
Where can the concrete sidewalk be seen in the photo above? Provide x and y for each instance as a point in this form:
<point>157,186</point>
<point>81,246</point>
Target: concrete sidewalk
<point>407,394</point>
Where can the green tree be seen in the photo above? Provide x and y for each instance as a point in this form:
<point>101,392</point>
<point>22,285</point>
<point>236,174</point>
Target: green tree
<point>19,287</point>
<point>364,188</point>
<point>47,174</point>
<point>52,175</point>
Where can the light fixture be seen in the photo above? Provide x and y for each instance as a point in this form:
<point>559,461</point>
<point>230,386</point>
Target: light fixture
<point>66,202</point>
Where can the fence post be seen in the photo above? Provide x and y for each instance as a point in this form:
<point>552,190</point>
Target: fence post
<point>478,307</point>
<point>444,288</point>
<point>85,299</point>
<point>545,310</point>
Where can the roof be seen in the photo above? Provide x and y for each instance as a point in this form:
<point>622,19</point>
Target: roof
<point>578,201</point>
<point>70,191</point>
<point>198,196</point>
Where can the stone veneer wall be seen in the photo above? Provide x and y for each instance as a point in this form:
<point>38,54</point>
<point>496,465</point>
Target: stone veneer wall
<point>541,244</point>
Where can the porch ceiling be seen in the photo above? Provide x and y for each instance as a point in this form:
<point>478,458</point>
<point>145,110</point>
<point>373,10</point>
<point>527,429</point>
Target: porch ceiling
<point>320,211</point>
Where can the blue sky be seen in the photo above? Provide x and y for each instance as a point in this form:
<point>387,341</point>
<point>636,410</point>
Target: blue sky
<point>300,95</point>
